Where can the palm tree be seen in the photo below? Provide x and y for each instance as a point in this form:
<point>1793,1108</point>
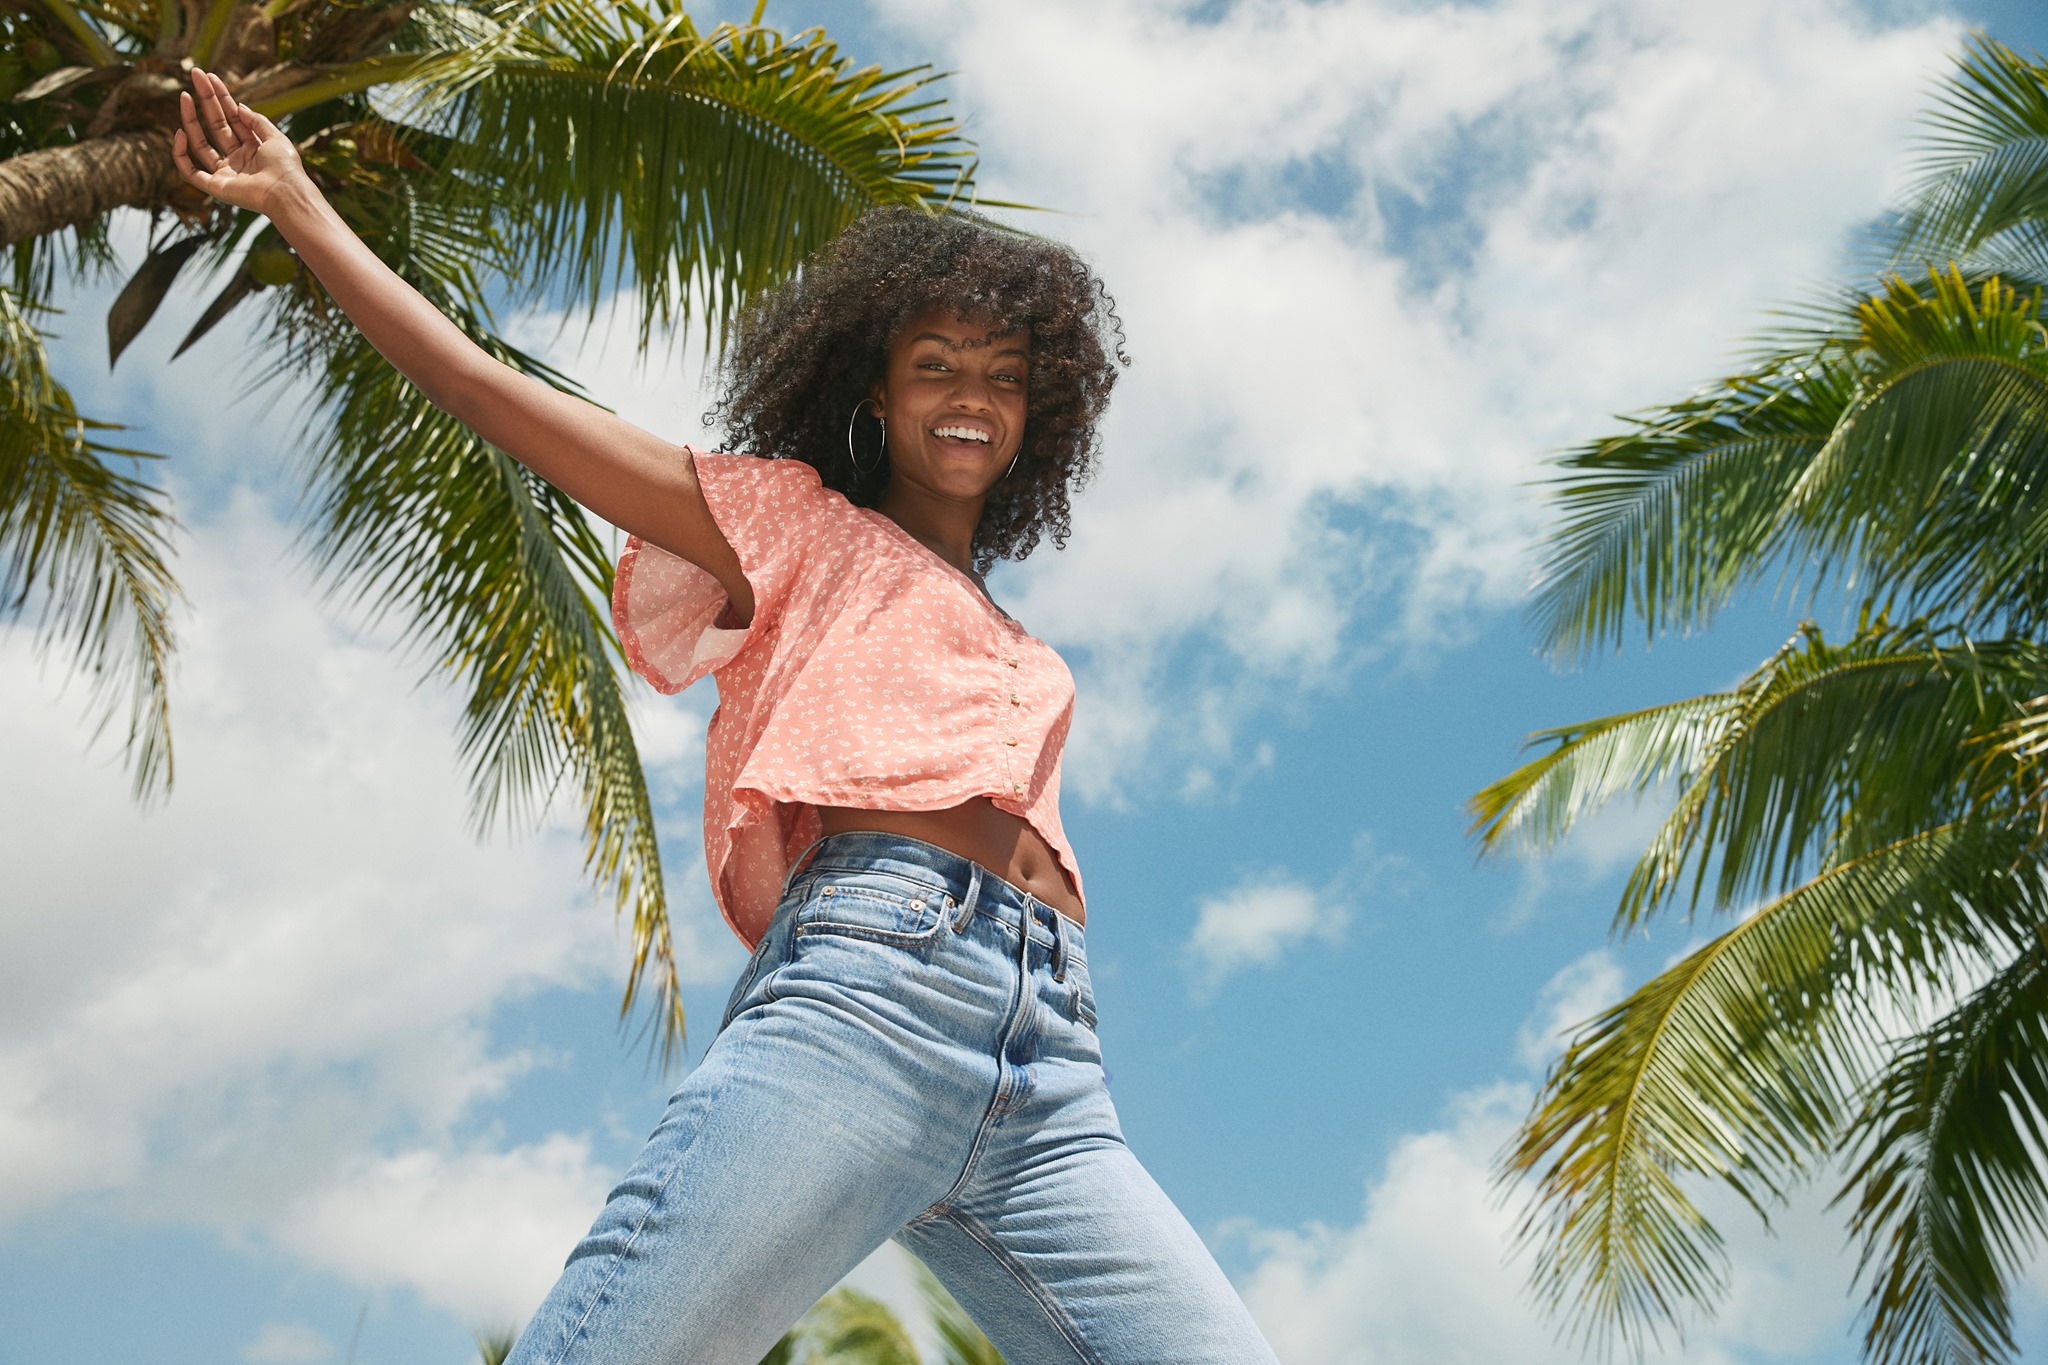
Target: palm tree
<point>1869,812</point>
<point>845,1328</point>
<point>849,1328</point>
<point>528,148</point>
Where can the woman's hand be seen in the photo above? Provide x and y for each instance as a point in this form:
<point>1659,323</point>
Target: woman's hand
<point>231,151</point>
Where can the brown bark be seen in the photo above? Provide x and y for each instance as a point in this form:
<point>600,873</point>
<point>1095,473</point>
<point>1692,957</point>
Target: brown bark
<point>59,187</point>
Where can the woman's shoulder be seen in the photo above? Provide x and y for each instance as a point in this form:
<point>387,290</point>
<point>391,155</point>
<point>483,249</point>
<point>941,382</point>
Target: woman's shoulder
<point>736,466</point>
<point>787,490</point>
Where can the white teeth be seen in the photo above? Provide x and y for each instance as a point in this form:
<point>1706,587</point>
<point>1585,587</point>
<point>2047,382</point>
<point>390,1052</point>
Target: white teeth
<point>962,433</point>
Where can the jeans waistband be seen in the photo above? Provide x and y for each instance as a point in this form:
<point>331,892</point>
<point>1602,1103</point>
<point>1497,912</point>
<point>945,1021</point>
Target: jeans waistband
<point>972,887</point>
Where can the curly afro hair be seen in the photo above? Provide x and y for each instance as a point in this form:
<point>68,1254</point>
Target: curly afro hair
<point>805,354</point>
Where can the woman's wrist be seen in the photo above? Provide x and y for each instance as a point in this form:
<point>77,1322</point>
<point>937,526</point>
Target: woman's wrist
<point>296,204</point>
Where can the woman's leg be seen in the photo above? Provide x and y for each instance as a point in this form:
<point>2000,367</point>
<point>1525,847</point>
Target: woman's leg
<point>796,1147</point>
<point>1057,1242</point>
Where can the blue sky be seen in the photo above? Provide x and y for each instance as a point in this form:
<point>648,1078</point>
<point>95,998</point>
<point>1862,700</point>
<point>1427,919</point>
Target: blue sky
<point>295,1065</point>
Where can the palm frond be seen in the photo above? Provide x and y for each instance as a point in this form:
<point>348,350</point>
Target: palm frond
<point>496,575</point>
<point>1983,170</point>
<point>1905,448</point>
<point>1932,480</point>
<point>846,1327</point>
<point>1822,753</point>
<point>503,582</point>
<point>1740,1064</point>
<point>698,166</point>
<point>1666,523</point>
<point>1951,1196</point>
<point>90,544</point>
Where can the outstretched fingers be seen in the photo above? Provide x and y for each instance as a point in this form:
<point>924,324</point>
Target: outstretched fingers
<point>189,143</point>
<point>215,111</point>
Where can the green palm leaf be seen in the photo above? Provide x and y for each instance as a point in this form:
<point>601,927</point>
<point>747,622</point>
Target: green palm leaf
<point>504,582</point>
<point>1982,192</point>
<point>499,579</point>
<point>1931,483</point>
<point>846,1327</point>
<point>87,542</point>
<point>1666,523</point>
<point>1824,752</point>
<point>1951,1195</point>
<point>1740,1064</point>
<point>697,167</point>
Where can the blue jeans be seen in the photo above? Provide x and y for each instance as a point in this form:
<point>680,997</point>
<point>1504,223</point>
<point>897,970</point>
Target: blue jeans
<point>911,1054</point>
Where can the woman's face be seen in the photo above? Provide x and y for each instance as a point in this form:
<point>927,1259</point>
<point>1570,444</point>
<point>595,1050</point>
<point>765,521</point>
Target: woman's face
<point>953,396</point>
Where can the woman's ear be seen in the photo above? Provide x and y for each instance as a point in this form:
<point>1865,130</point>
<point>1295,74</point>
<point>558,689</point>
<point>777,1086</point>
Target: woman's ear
<point>878,395</point>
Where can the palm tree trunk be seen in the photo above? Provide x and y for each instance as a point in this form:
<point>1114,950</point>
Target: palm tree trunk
<point>42,192</point>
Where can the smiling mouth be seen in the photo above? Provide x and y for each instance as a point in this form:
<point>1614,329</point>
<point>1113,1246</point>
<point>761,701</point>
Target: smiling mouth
<point>953,433</point>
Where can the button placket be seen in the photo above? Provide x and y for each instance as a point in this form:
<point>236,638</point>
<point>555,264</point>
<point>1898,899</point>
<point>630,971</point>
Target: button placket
<point>1008,728</point>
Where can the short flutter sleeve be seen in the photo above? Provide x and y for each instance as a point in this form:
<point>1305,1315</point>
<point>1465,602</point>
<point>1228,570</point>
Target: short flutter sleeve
<point>667,609</point>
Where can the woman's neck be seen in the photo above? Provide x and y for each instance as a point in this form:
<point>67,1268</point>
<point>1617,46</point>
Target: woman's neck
<point>945,526</point>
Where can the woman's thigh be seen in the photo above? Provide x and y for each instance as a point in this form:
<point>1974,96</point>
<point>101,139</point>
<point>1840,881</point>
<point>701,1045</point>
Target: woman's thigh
<point>779,1164</point>
<point>1064,1249</point>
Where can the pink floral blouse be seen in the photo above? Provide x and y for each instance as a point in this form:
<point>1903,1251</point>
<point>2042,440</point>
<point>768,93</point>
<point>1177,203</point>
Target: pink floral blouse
<point>873,675</point>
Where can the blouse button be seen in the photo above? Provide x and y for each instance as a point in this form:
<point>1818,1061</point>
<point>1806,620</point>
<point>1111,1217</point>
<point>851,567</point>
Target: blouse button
<point>1014,701</point>
<point>1017,787</point>
<point>1011,741</point>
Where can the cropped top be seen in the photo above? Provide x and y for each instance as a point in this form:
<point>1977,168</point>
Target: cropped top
<point>874,674</point>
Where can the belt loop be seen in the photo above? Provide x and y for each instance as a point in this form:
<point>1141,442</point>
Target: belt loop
<point>1059,945</point>
<point>802,860</point>
<point>968,899</point>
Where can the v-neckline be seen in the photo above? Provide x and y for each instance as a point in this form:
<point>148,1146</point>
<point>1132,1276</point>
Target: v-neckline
<point>980,591</point>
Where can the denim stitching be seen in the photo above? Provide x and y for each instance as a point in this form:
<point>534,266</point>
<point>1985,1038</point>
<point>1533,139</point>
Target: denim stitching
<point>1031,1284</point>
<point>887,937</point>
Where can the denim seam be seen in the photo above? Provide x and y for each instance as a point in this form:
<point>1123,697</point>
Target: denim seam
<point>901,938</point>
<point>997,1107</point>
<point>826,871</point>
<point>1031,1284</point>
<point>994,1113</point>
<point>599,1295</point>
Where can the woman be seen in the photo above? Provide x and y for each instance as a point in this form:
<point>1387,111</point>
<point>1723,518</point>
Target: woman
<point>910,1053</point>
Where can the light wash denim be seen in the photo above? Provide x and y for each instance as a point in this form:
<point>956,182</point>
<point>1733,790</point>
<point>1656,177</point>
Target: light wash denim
<point>911,1054</point>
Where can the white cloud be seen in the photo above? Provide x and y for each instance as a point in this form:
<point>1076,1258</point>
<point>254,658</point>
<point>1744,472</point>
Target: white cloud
<point>481,1233</point>
<point>288,1343</point>
<point>1423,1276</point>
<point>1255,923</point>
<point>1375,260</point>
<point>1578,992</point>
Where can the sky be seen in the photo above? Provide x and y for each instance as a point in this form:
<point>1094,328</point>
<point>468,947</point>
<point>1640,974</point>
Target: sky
<point>295,1069</point>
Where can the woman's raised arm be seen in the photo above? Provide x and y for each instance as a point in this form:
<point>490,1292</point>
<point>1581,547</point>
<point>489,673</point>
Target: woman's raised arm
<point>630,477</point>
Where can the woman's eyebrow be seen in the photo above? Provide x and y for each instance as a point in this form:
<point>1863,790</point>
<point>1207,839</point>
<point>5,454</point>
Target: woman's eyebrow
<point>950,344</point>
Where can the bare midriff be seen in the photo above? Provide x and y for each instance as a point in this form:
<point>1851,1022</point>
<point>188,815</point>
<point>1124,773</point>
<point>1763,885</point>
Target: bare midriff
<point>980,831</point>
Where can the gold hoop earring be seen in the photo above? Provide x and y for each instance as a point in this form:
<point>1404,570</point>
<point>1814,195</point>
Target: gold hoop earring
<point>882,422</point>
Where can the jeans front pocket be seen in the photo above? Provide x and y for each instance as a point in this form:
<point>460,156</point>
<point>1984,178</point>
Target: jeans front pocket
<point>881,907</point>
